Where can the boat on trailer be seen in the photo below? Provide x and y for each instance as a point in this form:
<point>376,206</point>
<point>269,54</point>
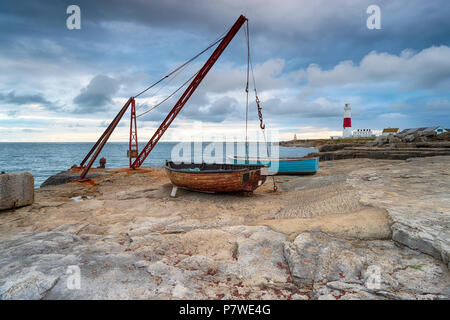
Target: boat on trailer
<point>214,177</point>
<point>283,165</point>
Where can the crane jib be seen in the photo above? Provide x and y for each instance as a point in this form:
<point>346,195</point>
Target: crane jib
<point>98,146</point>
<point>188,92</point>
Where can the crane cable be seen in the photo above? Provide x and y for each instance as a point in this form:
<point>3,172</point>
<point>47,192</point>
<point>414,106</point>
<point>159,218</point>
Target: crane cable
<point>261,123</point>
<point>163,86</point>
<point>169,96</point>
<point>182,66</point>
<point>176,71</point>
<point>246,91</point>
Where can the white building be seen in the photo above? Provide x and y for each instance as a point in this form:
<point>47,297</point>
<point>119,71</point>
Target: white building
<point>363,133</point>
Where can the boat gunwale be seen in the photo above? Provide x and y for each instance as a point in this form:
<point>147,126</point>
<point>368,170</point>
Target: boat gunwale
<point>251,167</point>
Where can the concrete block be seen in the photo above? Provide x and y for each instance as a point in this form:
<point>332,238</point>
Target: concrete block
<point>16,190</point>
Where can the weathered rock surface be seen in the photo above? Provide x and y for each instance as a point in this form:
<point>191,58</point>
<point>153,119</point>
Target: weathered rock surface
<point>366,224</point>
<point>30,286</point>
<point>336,267</point>
<point>392,147</point>
<point>415,193</point>
<point>131,240</point>
<point>232,262</point>
<point>16,190</point>
<point>73,175</point>
<point>397,153</point>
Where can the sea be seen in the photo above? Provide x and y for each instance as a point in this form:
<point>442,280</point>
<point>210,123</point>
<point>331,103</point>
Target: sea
<point>44,159</point>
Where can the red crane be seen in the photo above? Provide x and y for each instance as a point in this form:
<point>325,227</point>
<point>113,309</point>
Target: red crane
<point>188,92</point>
<point>172,114</point>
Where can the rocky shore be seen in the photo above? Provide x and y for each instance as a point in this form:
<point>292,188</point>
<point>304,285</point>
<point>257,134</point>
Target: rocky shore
<point>358,229</point>
<point>399,147</point>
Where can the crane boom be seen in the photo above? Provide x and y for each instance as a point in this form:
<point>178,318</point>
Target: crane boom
<point>188,92</point>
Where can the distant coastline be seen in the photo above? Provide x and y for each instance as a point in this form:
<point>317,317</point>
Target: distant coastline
<point>315,143</point>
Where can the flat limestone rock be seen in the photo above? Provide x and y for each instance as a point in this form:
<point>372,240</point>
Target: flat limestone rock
<point>132,241</point>
<point>425,231</point>
<point>16,190</point>
<point>337,267</point>
<point>231,262</point>
<point>365,224</point>
<point>30,286</point>
<point>415,194</point>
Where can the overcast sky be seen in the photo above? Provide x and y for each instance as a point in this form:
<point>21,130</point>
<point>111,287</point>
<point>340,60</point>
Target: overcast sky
<point>310,58</point>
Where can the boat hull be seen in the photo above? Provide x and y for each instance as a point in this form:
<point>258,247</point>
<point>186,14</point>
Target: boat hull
<point>284,166</point>
<point>215,178</point>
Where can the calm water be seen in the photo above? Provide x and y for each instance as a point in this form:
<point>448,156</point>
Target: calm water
<point>46,159</point>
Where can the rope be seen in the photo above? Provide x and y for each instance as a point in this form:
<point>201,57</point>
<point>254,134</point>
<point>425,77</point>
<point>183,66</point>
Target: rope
<point>163,86</point>
<point>168,97</point>
<point>176,71</point>
<point>246,91</point>
<point>262,125</point>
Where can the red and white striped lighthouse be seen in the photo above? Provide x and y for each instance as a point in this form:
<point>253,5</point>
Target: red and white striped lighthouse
<point>347,133</point>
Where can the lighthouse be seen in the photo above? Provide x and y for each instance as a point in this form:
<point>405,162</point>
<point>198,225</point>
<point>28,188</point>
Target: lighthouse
<point>347,132</point>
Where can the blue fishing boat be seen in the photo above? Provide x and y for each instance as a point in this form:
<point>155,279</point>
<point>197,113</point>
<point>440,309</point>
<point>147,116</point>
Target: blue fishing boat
<point>284,165</point>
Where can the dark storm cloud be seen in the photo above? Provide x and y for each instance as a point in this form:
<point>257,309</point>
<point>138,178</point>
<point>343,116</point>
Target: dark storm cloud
<point>307,31</point>
<point>97,95</point>
<point>14,98</point>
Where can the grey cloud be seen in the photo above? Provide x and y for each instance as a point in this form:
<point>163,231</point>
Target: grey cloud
<point>438,105</point>
<point>300,32</point>
<point>13,113</point>
<point>268,75</point>
<point>306,30</point>
<point>399,106</point>
<point>122,123</point>
<point>301,23</point>
<point>97,95</point>
<point>427,69</point>
<point>21,99</point>
<point>12,98</point>
<point>217,111</point>
<point>299,108</point>
<point>199,107</point>
<point>31,130</point>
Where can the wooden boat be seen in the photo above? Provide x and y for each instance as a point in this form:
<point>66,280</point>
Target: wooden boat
<point>284,165</point>
<point>216,177</point>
